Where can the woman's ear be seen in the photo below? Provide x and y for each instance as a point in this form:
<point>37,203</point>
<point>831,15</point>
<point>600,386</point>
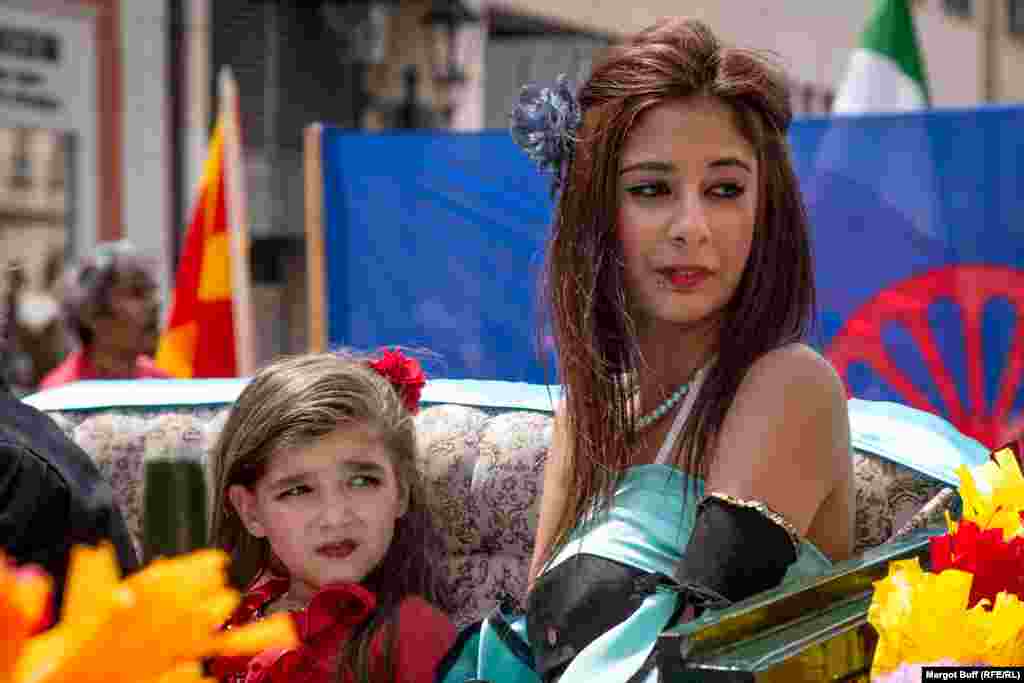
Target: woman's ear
<point>244,502</point>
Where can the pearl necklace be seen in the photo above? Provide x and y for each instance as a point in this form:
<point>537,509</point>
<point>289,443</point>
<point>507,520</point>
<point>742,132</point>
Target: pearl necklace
<point>650,418</point>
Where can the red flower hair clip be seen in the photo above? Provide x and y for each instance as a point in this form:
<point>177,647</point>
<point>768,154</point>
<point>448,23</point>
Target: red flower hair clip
<point>405,374</point>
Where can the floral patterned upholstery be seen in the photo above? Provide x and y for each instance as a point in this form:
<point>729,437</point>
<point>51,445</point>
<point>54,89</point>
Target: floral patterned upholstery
<point>888,495</point>
<point>119,439</point>
<point>483,471</point>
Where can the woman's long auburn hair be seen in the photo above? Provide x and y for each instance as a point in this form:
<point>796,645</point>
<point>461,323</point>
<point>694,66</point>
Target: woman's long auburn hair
<point>584,283</point>
<point>290,404</point>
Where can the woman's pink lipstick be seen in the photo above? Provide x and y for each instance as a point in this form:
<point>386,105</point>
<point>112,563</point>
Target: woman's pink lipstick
<point>336,551</point>
<point>686,278</point>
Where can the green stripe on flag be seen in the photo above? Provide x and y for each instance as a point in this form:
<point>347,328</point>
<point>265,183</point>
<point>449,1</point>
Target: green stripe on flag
<point>890,32</point>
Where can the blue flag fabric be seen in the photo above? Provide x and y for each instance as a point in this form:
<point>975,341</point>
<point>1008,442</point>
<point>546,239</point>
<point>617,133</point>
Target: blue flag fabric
<point>435,240</point>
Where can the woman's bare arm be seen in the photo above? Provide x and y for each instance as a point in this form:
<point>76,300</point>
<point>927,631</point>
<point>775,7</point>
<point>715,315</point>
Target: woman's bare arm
<point>786,442</point>
<point>553,496</point>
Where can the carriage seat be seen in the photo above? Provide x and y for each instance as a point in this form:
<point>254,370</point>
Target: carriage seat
<point>482,450</point>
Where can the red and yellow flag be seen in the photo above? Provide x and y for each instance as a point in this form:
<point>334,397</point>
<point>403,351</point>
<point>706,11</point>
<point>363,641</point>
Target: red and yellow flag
<point>205,334</point>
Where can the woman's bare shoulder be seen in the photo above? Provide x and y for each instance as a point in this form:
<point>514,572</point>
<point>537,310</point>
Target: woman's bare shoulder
<point>787,425</point>
<point>793,387</point>
<point>796,366</point>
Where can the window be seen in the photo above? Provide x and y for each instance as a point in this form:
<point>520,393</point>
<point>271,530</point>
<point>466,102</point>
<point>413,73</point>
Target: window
<point>56,162</point>
<point>291,71</point>
<point>1015,17</point>
<point>524,49</point>
<point>21,165</point>
<point>958,8</point>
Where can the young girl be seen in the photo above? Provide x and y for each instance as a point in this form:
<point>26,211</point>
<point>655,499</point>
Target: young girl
<point>318,501</point>
<point>701,453</point>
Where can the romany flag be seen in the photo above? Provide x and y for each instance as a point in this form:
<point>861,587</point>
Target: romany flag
<point>876,201</point>
<point>886,72</point>
<point>209,331</point>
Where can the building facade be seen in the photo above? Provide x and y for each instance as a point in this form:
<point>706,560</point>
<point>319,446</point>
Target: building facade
<point>138,78</point>
<point>973,49</point>
<point>84,111</point>
<point>346,63</point>
<point>361,65</point>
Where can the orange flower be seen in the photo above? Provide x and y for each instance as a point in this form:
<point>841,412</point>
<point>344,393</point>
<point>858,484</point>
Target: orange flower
<point>152,627</point>
<point>25,596</point>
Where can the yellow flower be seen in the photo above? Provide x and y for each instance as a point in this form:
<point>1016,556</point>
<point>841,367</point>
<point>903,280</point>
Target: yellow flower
<point>1003,643</point>
<point>25,596</point>
<point>914,612</point>
<point>153,626</point>
<point>922,617</point>
<point>993,495</point>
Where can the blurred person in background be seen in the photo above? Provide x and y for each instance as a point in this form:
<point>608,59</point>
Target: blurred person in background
<point>110,304</point>
<point>36,340</point>
<point>52,496</point>
<point>40,329</point>
<point>13,371</point>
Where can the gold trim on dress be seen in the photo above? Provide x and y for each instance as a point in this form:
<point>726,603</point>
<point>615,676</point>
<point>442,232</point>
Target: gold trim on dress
<point>762,508</point>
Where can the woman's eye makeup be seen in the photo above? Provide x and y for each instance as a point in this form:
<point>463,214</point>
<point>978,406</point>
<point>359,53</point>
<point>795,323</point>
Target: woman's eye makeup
<point>644,190</point>
<point>726,190</point>
<point>722,190</point>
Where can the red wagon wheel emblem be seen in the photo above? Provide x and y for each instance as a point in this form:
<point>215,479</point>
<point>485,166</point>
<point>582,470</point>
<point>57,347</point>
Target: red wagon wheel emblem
<point>907,302</point>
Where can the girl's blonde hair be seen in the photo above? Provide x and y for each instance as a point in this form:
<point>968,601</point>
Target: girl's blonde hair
<point>291,403</point>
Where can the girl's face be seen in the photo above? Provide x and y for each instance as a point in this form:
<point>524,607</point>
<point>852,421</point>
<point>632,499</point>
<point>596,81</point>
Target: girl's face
<point>688,197</point>
<point>328,509</point>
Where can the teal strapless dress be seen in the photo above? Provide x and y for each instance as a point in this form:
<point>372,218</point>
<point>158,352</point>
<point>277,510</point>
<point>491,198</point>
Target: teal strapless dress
<point>647,526</point>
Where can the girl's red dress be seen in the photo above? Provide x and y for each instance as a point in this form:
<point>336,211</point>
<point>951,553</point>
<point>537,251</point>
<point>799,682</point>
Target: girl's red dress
<point>424,636</point>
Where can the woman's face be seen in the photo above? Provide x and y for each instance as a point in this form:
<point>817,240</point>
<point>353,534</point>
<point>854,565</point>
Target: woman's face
<point>130,323</point>
<point>688,197</point>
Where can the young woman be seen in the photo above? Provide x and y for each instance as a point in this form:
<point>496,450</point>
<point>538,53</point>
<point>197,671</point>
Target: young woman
<point>701,453</point>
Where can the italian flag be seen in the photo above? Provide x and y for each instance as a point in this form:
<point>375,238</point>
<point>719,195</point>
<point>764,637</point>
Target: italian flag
<point>886,72</point>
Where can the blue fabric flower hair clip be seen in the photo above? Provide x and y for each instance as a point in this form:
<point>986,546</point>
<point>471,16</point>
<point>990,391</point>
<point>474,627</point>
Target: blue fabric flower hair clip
<point>544,123</point>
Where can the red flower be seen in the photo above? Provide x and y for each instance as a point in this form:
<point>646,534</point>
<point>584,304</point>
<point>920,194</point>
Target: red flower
<point>405,374</point>
<point>997,565</point>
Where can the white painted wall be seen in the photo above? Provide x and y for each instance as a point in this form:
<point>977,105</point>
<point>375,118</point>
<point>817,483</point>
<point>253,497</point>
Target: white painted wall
<point>471,49</point>
<point>953,55</point>
<point>197,100</point>
<point>814,38</point>
<point>146,138</point>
